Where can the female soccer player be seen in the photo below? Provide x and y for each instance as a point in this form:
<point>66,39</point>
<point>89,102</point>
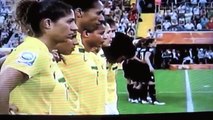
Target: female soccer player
<point>27,78</point>
<point>148,53</point>
<point>80,68</point>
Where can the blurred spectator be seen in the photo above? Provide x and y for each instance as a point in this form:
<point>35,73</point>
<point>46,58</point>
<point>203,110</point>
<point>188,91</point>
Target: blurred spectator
<point>117,13</point>
<point>209,25</point>
<point>187,56</point>
<point>117,3</point>
<point>198,25</point>
<point>189,26</point>
<point>166,25</point>
<point>125,14</point>
<point>201,56</point>
<point>2,19</point>
<point>188,14</point>
<point>173,15</point>
<point>204,20</point>
<point>202,3</point>
<point>174,25</point>
<point>196,11</point>
<point>133,13</point>
<point>181,12</point>
<point>122,27</point>
<point>171,2</point>
<point>175,57</point>
<point>125,20</point>
<point>209,57</point>
<point>150,33</point>
<point>203,11</point>
<point>158,32</point>
<point>147,6</point>
<point>167,58</point>
<point>158,18</point>
<point>194,2</point>
<point>107,9</point>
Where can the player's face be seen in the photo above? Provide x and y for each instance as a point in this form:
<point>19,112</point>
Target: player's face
<point>64,29</point>
<point>67,47</point>
<point>107,36</point>
<point>113,30</point>
<point>93,16</point>
<point>96,38</point>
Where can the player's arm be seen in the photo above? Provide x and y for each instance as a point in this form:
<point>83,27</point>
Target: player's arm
<point>6,51</point>
<point>147,55</point>
<point>9,79</point>
<point>2,61</point>
<point>136,58</point>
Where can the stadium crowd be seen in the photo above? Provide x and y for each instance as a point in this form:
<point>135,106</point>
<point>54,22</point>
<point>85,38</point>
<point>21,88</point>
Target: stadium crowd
<point>10,37</point>
<point>125,15</point>
<point>185,15</point>
<point>190,55</point>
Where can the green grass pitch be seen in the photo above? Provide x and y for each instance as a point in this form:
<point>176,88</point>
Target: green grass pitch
<point>171,88</point>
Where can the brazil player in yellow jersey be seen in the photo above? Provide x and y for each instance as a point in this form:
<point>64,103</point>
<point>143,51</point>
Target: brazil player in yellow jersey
<point>81,69</point>
<point>101,57</point>
<point>66,102</point>
<point>62,103</point>
<point>111,91</point>
<point>101,81</point>
<point>121,48</point>
<point>26,77</point>
<point>111,60</point>
<point>111,101</point>
<point>86,75</point>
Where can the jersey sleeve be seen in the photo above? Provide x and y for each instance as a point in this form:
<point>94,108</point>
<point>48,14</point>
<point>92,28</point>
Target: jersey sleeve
<point>26,61</point>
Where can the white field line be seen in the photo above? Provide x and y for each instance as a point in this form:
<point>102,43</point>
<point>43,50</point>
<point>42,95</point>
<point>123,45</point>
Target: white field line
<point>189,102</point>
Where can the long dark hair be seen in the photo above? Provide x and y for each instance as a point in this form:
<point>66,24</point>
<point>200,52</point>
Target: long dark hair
<point>30,13</point>
<point>121,46</point>
<point>85,5</point>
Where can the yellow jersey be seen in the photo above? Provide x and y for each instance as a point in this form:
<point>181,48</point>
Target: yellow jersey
<point>111,87</point>
<point>84,74</point>
<point>33,58</point>
<point>111,83</point>
<point>61,100</point>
